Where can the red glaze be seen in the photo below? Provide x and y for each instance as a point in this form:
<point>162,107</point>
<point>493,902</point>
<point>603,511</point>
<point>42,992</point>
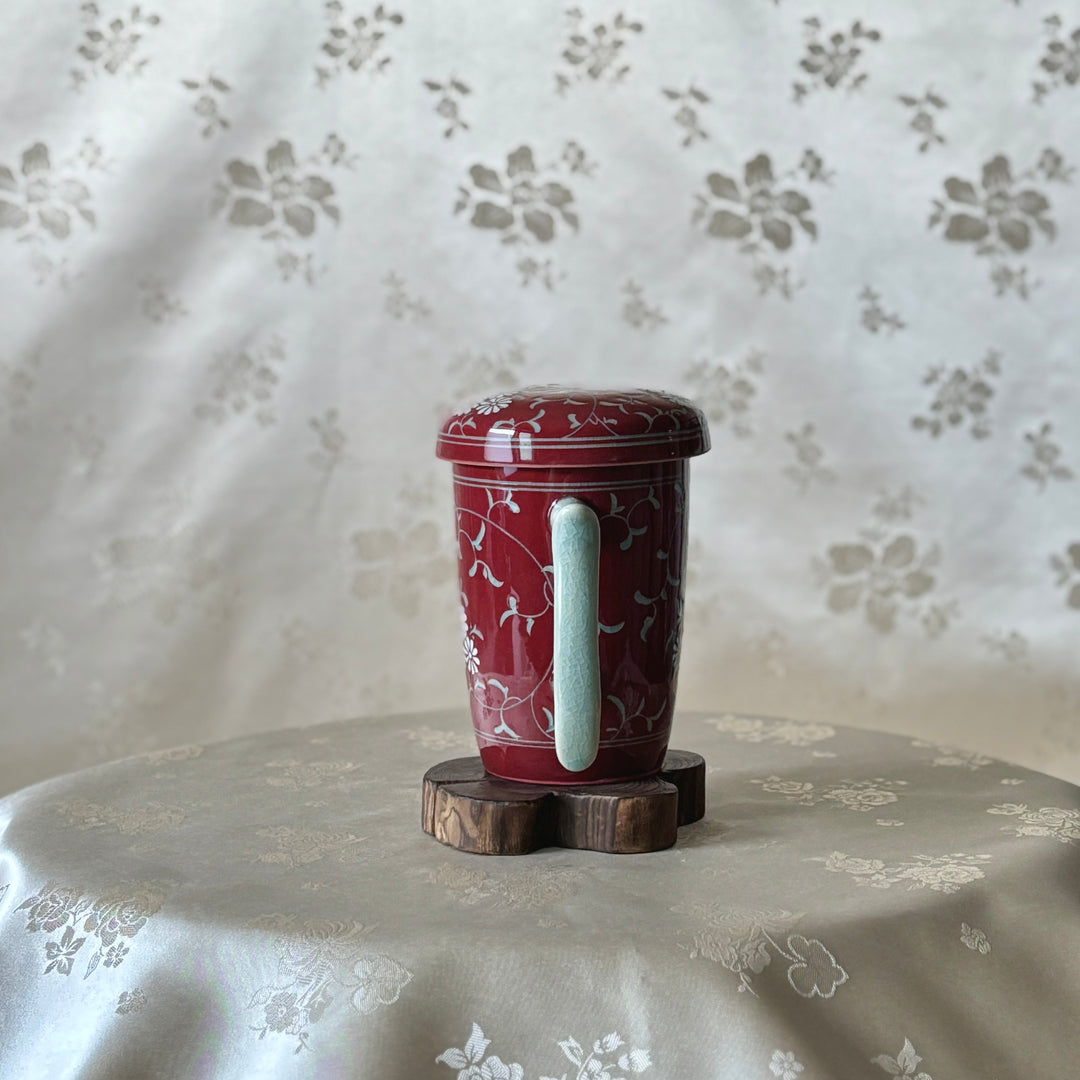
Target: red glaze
<point>506,590</point>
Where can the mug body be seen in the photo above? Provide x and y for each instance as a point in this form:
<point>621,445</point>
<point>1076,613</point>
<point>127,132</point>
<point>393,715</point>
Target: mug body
<point>507,601</point>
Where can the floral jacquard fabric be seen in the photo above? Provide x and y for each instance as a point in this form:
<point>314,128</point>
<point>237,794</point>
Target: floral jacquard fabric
<point>253,255</point>
<point>843,888</point>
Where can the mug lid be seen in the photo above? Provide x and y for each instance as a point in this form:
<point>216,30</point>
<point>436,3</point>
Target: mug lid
<point>551,426</point>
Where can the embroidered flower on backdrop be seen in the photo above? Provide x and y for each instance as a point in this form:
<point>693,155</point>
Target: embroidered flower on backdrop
<point>637,312</point>
<point>886,574</point>
<point>960,396</point>
<point>725,394</point>
<point>924,114</point>
<point>832,61</point>
<point>809,467</point>
<point>755,729</point>
<point>284,199</point>
<point>355,43</point>
<point>42,203</point>
<point>331,442</point>
<point>1052,821</point>
<point>861,795</point>
<point>130,1001</point>
<point>318,960</point>
<point>471,374</point>
<point>210,93</point>
<point>245,381</point>
<point>109,922</point>
<point>1003,217</point>
<point>448,107</point>
<point>112,45</point>
<point>1045,464</point>
<point>523,203</point>
<point>904,1065</point>
<point>525,889</point>
<point>610,1059</point>
<point>763,220</point>
<point>405,565</point>
<point>595,54</point>
<point>18,381</point>
<point>399,305</point>
<point>976,940</point>
<point>1061,60</point>
<point>1067,573</point>
<point>740,939</point>
<point>686,118</point>
<point>874,317</point>
<point>784,1066</point>
<point>939,873</point>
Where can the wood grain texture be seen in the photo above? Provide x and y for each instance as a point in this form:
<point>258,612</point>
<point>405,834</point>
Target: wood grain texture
<point>468,809</point>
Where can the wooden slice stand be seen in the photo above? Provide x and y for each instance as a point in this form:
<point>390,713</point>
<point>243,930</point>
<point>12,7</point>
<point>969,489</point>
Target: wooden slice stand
<point>471,810</point>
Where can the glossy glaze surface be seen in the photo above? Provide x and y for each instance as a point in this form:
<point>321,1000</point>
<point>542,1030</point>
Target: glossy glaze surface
<point>557,426</point>
<point>505,561</point>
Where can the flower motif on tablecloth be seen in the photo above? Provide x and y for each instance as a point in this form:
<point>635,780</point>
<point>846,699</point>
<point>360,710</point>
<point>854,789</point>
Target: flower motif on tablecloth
<point>761,219</point>
<point>610,1059</point>
<point>296,775</point>
<point>1050,821</point>
<point>355,43</point>
<point>784,1066</point>
<point>1000,218</point>
<point>108,923</point>
<point>151,817</point>
<point>832,62</point>
<point>904,1065</point>
<point>976,940</point>
<point>861,795</point>
<point>293,847</point>
<point>1067,573</point>
<point>924,117</point>
<point>740,939</point>
<point>595,54</point>
<point>527,889</point>
<point>284,199</point>
<point>112,45</point>
<point>1061,60</point>
<point>317,960</point>
<point>940,873</point>
<point>756,729</point>
<point>953,756</point>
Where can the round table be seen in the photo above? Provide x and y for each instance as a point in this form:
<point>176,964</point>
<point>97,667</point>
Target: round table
<point>853,904</point>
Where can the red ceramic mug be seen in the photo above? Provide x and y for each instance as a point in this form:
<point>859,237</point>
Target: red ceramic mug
<point>571,523</point>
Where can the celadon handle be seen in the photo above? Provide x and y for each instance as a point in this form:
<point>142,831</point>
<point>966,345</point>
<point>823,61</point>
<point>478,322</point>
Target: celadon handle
<point>575,550</point>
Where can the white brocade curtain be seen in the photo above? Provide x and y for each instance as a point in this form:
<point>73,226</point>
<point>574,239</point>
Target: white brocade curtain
<point>250,253</point>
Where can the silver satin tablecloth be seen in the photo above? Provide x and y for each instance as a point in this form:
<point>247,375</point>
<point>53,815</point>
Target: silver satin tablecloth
<point>854,905</point>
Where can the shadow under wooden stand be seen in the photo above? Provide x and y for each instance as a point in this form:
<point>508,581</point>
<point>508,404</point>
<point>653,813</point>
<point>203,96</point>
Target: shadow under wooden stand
<point>471,810</point>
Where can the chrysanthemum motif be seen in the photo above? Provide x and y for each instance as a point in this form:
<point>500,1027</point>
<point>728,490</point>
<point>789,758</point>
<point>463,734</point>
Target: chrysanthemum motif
<point>521,204</point>
<point>490,405</point>
<point>41,199</point>
<point>285,193</point>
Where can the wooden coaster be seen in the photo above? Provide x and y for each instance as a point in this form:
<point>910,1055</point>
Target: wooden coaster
<point>471,810</point>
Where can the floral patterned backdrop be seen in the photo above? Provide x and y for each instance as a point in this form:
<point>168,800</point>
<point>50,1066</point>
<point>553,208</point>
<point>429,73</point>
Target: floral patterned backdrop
<point>251,254</point>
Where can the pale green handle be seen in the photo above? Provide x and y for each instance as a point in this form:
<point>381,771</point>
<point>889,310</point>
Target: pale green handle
<point>575,551</point>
